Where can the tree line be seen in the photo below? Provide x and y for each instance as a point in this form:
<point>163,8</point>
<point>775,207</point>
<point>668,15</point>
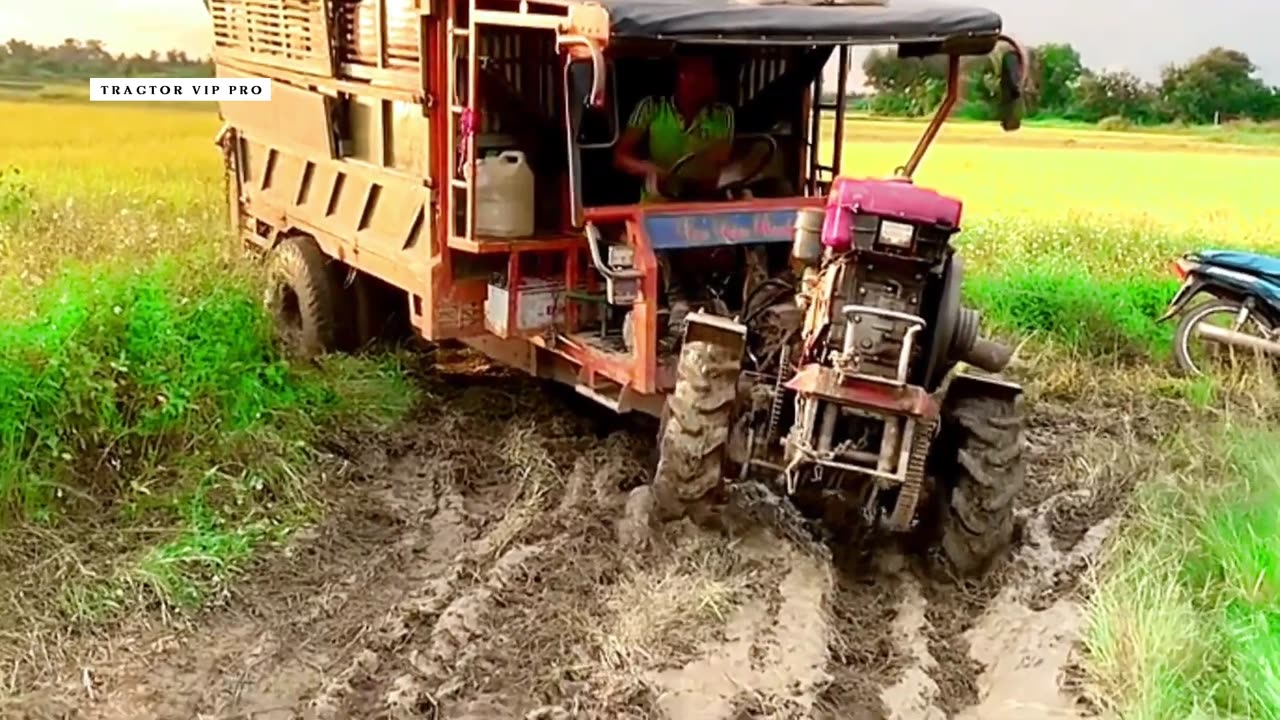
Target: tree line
<point>76,59</point>
<point>1219,85</point>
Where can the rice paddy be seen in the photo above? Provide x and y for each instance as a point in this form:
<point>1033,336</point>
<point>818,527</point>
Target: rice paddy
<point>1068,233</point>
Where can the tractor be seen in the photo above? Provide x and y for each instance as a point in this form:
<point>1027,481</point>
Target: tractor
<point>529,178</point>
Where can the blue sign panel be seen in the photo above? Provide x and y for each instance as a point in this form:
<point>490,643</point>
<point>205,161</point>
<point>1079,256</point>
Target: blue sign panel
<point>675,231</point>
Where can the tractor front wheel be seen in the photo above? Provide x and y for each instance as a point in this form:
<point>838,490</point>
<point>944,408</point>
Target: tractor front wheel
<point>692,445</point>
<point>695,434</point>
<point>985,471</point>
<point>693,442</point>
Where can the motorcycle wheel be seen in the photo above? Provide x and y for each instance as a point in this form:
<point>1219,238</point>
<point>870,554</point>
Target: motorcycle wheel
<point>1185,340</point>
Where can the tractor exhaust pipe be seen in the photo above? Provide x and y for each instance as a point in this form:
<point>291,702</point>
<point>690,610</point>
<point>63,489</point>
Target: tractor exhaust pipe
<point>1239,339</point>
<point>988,355</point>
<point>968,347</point>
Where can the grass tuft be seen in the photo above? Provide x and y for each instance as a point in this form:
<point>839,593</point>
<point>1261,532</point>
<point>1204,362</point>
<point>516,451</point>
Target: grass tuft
<point>665,610</point>
<point>1086,314</point>
<point>1185,620</point>
<point>16,198</point>
<point>154,404</point>
<point>119,373</point>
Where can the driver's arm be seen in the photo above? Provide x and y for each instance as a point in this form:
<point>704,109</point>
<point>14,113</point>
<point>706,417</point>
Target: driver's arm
<point>626,154</point>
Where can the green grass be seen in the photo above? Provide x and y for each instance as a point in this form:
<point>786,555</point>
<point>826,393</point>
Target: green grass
<point>156,398</point>
<point>1185,621</point>
<point>1089,286</point>
<point>1241,132</point>
<point>126,367</point>
<point>152,438</point>
<point>1082,313</point>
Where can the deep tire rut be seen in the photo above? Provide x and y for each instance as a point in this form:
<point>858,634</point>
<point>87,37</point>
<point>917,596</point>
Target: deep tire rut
<point>473,572</point>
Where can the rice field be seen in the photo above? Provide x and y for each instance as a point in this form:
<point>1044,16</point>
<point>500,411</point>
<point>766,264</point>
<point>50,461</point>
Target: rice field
<point>146,417</point>
<point>1067,238</point>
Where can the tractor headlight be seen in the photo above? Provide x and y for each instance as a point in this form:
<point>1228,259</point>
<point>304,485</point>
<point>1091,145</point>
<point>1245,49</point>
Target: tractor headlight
<point>897,234</point>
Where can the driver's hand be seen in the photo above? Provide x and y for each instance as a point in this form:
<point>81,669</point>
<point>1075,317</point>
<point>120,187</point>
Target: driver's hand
<point>654,178</point>
<point>656,171</point>
<point>652,183</point>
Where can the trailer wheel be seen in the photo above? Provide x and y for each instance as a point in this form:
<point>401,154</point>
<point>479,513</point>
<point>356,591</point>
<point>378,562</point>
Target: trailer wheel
<point>694,436</point>
<point>986,468</point>
<point>303,298</point>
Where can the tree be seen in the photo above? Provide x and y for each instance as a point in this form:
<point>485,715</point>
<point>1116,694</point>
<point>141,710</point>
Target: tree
<point>905,86</point>
<point>22,57</point>
<point>74,58</point>
<point>1219,81</point>
<point>915,87</point>
<point>1109,94</point>
<point>1060,69</point>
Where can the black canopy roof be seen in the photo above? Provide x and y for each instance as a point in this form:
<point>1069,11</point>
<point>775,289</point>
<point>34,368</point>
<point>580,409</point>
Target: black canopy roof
<point>806,21</point>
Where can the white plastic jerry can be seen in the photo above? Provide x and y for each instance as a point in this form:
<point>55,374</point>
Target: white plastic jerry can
<point>504,195</point>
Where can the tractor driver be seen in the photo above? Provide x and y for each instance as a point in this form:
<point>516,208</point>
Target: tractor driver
<point>666,129</point>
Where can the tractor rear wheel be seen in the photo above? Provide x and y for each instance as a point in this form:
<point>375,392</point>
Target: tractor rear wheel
<point>695,431</point>
<point>303,297</point>
<point>986,468</point>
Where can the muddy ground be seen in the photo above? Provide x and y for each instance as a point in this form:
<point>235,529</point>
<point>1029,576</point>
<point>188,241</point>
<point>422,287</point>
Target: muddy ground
<point>471,571</point>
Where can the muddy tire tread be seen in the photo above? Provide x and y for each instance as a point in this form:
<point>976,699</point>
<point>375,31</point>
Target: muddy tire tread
<point>300,263</point>
<point>989,472</point>
<point>695,430</point>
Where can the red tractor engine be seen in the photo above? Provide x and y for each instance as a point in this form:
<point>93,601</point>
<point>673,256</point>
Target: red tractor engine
<point>882,287</point>
<point>854,417</point>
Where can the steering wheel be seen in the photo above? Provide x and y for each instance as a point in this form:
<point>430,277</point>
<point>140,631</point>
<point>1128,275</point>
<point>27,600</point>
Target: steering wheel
<point>686,174</point>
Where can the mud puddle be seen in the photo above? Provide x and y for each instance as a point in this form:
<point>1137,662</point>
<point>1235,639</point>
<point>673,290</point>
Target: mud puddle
<point>473,572</point>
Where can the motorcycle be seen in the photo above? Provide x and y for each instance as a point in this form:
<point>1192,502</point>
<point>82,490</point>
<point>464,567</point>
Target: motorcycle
<point>1245,292</point>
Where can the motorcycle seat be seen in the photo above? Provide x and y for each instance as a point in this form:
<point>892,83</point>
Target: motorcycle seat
<point>1264,267</point>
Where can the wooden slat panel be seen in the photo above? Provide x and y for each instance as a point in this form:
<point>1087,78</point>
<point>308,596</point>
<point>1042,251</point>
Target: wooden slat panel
<point>527,60</point>
<point>294,118</point>
<point>358,32</point>
<point>289,34</point>
<point>402,32</point>
<point>350,206</point>
<point>393,215</point>
<point>322,181</point>
<point>287,176</point>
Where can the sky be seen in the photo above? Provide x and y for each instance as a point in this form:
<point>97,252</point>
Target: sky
<point>1111,34</point>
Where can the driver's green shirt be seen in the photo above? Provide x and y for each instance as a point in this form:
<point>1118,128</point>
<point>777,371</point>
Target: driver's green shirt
<point>668,137</point>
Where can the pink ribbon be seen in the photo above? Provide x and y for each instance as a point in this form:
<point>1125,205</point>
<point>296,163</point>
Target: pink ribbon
<point>467,125</point>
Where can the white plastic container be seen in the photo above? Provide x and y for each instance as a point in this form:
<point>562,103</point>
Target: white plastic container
<point>504,195</point>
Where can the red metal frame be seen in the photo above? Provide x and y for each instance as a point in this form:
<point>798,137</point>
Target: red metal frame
<point>581,29</point>
<point>825,382</point>
<point>940,117</point>
<point>644,374</point>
